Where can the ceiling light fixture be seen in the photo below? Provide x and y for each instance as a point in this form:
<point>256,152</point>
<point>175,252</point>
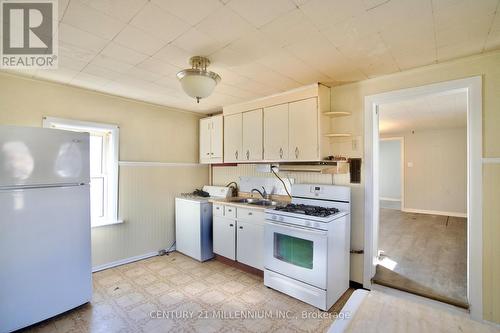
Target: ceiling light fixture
<point>196,81</point>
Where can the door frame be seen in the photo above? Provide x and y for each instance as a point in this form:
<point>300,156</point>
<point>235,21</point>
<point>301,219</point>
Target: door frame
<point>473,87</point>
<point>401,140</point>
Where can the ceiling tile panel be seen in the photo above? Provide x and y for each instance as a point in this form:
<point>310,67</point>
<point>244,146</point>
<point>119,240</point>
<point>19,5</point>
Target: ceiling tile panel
<point>82,39</point>
<point>173,55</point>
<point>138,40</point>
<point>191,11</point>
<point>161,67</point>
<point>111,63</point>
<point>324,13</point>
<point>260,12</point>
<point>197,43</point>
<point>224,25</point>
<point>123,10</point>
<point>124,54</point>
<point>159,23</point>
<point>292,27</point>
<point>88,19</point>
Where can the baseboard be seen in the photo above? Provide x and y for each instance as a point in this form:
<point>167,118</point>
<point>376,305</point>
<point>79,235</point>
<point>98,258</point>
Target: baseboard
<point>389,199</point>
<point>123,261</point>
<point>433,212</point>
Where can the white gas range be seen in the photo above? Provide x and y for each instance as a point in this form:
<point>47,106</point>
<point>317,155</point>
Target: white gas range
<point>308,244</point>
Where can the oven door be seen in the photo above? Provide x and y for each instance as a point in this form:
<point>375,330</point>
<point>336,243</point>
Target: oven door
<point>297,252</point>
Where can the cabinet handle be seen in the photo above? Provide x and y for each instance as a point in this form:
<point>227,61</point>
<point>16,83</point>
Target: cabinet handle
<point>208,153</point>
<point>281,152</point>
<point>236,154</point>
<point>211,153</point>
<point>241,227</point>
<point>296,152</point>
<point>231,225</point>
<point>229,210</point>
<point>248,154</point>
<point>250,213</point>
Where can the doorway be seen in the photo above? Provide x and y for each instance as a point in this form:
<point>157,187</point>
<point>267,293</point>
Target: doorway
<point>471,87</point>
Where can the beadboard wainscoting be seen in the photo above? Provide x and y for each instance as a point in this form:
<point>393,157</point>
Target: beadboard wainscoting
<point>147,192</point>
<point>222,175</point>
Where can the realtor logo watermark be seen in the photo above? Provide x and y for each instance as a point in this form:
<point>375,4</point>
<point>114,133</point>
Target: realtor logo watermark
<point>29,34</point>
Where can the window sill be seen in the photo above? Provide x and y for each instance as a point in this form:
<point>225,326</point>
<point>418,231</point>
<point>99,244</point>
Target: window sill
<point>106,222</point>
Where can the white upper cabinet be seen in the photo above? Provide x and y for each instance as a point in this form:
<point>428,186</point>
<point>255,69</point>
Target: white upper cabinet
<point>211,140</point>
<point>217,137</point>
<point>233,138</point>
<point>276,133</point>
<point>291,126</point>
<point>252,135</point>
<point>303,130</point>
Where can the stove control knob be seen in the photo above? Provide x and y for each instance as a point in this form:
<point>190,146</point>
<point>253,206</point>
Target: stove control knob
<point>273,217</point>
<point>308,223</point>
<point>316,225</point>
<point>281,218</point>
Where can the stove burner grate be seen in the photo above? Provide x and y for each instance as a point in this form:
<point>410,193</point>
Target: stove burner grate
<point>308,210</point>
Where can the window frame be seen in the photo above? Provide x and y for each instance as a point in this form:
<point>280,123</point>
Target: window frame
<point>111,198</point>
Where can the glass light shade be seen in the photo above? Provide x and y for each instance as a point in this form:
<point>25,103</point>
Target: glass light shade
<point>198,83</point>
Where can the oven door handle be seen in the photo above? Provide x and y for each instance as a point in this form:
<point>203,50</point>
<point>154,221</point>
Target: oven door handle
<point>295,227</point>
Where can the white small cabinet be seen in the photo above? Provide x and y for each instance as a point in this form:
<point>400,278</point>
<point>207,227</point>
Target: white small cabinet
<point>211,139</point>
<point>224,237</point>
<point>303,130</point>
<point>276,133</point>
<point>252,135</point>
<point>233,138</point>
<point>238,234</point>
<point>250,243</point>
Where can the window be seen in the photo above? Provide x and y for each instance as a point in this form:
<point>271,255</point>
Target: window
<point>103,166</point>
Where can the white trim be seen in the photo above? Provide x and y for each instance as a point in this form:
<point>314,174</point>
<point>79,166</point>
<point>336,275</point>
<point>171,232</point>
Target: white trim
<point>351,306</point>
<point>491,160</point>
<point>159,164</point>
<point>433,212</point>
<point>114,146</point>
<point>103,223</point>
<point>123,261</point>
<point>473,87</point>
<point>390,199</point>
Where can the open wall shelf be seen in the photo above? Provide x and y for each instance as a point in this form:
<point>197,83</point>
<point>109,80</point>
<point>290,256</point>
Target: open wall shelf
<point>338,135</point>
<point>337,114</point>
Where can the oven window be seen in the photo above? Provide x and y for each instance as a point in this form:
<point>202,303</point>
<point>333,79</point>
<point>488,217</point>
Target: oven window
<point>293,250</point>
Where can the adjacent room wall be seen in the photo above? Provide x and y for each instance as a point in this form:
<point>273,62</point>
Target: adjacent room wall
<point>390,170</point>
<point>436,171</point>
<point>148,133</point>
<point>351,97</point>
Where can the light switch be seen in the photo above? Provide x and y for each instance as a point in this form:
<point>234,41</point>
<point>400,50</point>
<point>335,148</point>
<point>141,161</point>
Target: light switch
<point>410,164</point>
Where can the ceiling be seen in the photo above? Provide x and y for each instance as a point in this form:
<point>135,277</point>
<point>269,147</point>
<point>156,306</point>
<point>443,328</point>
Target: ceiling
<point>448,110</point>
<point>134,48</point>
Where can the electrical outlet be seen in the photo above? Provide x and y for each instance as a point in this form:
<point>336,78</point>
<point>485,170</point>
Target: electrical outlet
<point>354,144</point>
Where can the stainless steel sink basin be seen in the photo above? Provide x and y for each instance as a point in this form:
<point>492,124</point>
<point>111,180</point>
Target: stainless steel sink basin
<point>247,200</point>
<point>264,203</point>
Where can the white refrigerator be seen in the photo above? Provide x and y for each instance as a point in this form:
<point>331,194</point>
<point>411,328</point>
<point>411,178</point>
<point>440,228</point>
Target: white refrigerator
<point>45,259</point>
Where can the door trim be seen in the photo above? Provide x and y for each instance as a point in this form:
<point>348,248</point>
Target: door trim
<point>473,87</point>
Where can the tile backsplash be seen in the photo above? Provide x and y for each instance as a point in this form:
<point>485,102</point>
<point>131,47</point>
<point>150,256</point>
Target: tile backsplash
<point>248,177</point>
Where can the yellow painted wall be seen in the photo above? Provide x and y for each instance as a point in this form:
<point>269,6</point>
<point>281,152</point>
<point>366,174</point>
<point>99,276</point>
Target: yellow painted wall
<point>147,133</point>
<point>351,97</point>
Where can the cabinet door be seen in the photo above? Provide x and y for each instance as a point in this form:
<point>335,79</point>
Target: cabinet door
<point>250,244</point>
<point>252,135</point>
<point>303,130</point>
<point>216,137</point>
<point>276,132</point>
<point>232,138</point>
<point>205,135</point>
<point>224,237</point>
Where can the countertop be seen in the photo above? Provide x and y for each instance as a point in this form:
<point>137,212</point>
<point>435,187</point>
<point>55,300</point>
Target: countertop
<point>230,202</point>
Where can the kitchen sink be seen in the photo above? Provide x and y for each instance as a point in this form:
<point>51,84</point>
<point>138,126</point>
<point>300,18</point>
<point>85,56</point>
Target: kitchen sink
<point>264,203</point>
<point>247,200</point>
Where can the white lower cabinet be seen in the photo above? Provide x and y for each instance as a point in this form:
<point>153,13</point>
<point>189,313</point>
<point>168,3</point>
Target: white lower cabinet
<point>224,237</point>
<point>238,234</point>
<point>250,243</point>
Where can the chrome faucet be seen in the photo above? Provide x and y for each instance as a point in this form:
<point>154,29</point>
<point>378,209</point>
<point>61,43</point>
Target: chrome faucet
<point>262,193</point>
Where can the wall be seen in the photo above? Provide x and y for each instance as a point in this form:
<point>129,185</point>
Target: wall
<point>390,169</point>
<point>146,202</point>
<point>437,181</point>
<point>351,97</point>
